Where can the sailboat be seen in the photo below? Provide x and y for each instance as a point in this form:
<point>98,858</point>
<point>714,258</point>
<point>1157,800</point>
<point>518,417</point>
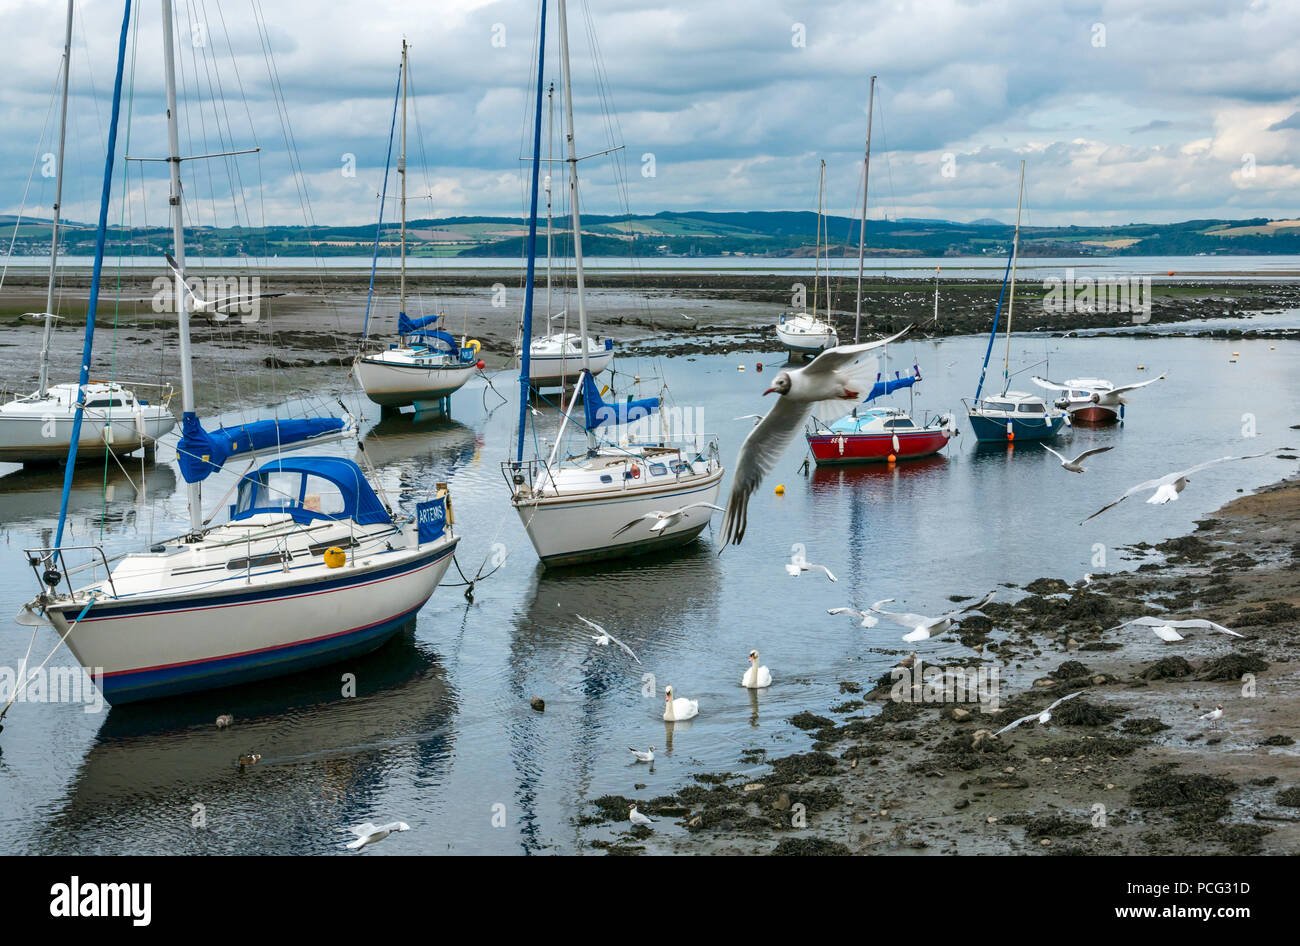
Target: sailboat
<point>1011,415</point>
<point>876,434</point>
<point>606,500</point>
<point>313,565</point>
<point>427,364</point>
<point>803,334</point>
<point>556,357</point>
<point>37,427</point>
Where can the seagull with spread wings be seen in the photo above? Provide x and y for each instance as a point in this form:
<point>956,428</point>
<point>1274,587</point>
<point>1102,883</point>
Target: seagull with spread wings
<point>1168,487</point>
<point>829,387</point>
<point>923,627</point>
<point>1101,396</point>
<point>1076,465</point>
<point>1042,718</point>
<point>604,638</point>
<point>1163,628</point>
<point>661,520</point>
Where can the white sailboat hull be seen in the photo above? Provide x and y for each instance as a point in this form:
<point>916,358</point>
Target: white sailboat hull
<point>574,528</point>
<point>410,382</point>
<point>803,335</point>
<point>35,430</point>
<point>551,371</point>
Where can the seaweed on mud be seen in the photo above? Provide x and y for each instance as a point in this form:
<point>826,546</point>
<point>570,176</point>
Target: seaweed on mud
<point>1186,796</point>
<point>899,710</point>
<point>728,817</point>
<point>848,706</point>
<point>1167,667</point>
<point>618,848</point>
<point>804,764</point>
<point>1143,725</point>
<point>848,686</point>
<point>967,751</point>
<point>1047,586</point>
<point>809,847</point>
<point>1187,548</point>
<point>807,720</point>
<point>1092,747</point>
<point>1271,613</point>
<point>1230,667</point>
<point>1047,826</point>
<point>1093,608</point>
<point>1071,670</point>
<point>1289,797</point>
<point>1079,712</point>
<point>1278,740</point>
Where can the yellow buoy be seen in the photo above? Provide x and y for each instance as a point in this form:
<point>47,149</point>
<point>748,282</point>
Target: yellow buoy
<point>1142,367</point>
<point>780,489</point>
<point>740,367</point>
<point>334,557</point>
<point>1235,354</point>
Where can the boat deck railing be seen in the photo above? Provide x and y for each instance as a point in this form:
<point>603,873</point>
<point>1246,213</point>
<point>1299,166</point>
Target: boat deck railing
<point>50,566</point>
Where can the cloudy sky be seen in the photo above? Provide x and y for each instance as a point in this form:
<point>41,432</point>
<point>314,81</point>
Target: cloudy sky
<point>1158,110</point>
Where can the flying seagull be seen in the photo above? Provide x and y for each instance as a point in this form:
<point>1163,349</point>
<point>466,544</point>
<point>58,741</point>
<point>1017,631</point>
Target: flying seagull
<point>924,627</point>
<point>754,417</point>
<point>866,617</point>
<point>796,566</point>
<point>201,306</point>
<point>829,386</point>
<point>1075,465</point>
<point>662,520</point>
<point>1164,628</point>
<point>604,637</point>
<point>1168,487</point>
<point>1101,396</point>
<point>1044,717</point>
<point>372,834</point>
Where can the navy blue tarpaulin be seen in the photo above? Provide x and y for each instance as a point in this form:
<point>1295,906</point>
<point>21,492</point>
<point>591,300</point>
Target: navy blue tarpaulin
<point>431,519</point>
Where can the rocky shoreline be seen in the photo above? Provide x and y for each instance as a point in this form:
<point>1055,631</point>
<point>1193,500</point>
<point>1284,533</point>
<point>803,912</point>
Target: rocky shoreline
<point>1125,768</point>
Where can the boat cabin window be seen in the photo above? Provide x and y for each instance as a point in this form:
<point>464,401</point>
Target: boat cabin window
<point>105,402</point>
<point>677,466</point>
<point>286,491</point>
<point>1031,407</point>
<point>658,469</point>
<point>999,406</point>
<point>606,478</point>
<point>900,422</point>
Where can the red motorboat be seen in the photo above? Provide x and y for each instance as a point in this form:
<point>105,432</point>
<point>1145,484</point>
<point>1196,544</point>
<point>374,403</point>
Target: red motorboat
<point>878,435</point>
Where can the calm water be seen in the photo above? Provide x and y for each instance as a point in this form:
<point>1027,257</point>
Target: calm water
<point>1162,269</point>
<point>441,731</point>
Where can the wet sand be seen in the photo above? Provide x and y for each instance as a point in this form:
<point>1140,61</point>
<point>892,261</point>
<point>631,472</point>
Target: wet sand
<point>1125,768</point>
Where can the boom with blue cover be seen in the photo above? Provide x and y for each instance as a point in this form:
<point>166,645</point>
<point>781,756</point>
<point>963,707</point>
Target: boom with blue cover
<point>201,453</point>
<point>890,385</point>
<point>601,414</point>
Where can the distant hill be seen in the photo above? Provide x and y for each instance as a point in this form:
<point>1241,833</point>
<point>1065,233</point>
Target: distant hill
<point>771,233</point>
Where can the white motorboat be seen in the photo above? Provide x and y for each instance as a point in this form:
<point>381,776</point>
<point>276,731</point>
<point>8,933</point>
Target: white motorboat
<point>607,499</point>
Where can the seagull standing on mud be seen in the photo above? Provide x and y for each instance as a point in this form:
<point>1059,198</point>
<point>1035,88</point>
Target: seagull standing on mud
<point>1213,716</point>
<point>1168,487</point>
<point>636,817</point>
<point>829,387</point>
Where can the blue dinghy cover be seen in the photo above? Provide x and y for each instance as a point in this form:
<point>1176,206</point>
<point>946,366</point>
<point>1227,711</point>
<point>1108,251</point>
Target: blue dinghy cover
<point>601,414</point>
<point>201,453</point>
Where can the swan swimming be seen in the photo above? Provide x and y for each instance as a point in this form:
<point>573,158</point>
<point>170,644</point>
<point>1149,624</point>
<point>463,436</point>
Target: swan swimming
<point>677,710</point>
<point>756,677</point>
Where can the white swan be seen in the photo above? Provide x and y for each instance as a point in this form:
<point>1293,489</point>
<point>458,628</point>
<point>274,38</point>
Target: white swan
<point>680,708</point>
<point>756,677</point>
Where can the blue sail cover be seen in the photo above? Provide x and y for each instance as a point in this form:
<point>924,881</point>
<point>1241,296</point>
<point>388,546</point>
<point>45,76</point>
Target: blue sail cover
<point>889,386</point>
<point>201,453</point>
<point>601,414</point>
<point>410,326</point>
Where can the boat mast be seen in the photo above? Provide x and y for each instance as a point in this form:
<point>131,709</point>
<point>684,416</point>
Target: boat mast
<point>58,200</point>
<point>1011,299</point>
<point>862,230</point>
<point>178,249</point>
<point>401,176</point>
<point>579,283</point>
<point>550,138</point>
<point>817,261</point>
<point>525,348</point>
